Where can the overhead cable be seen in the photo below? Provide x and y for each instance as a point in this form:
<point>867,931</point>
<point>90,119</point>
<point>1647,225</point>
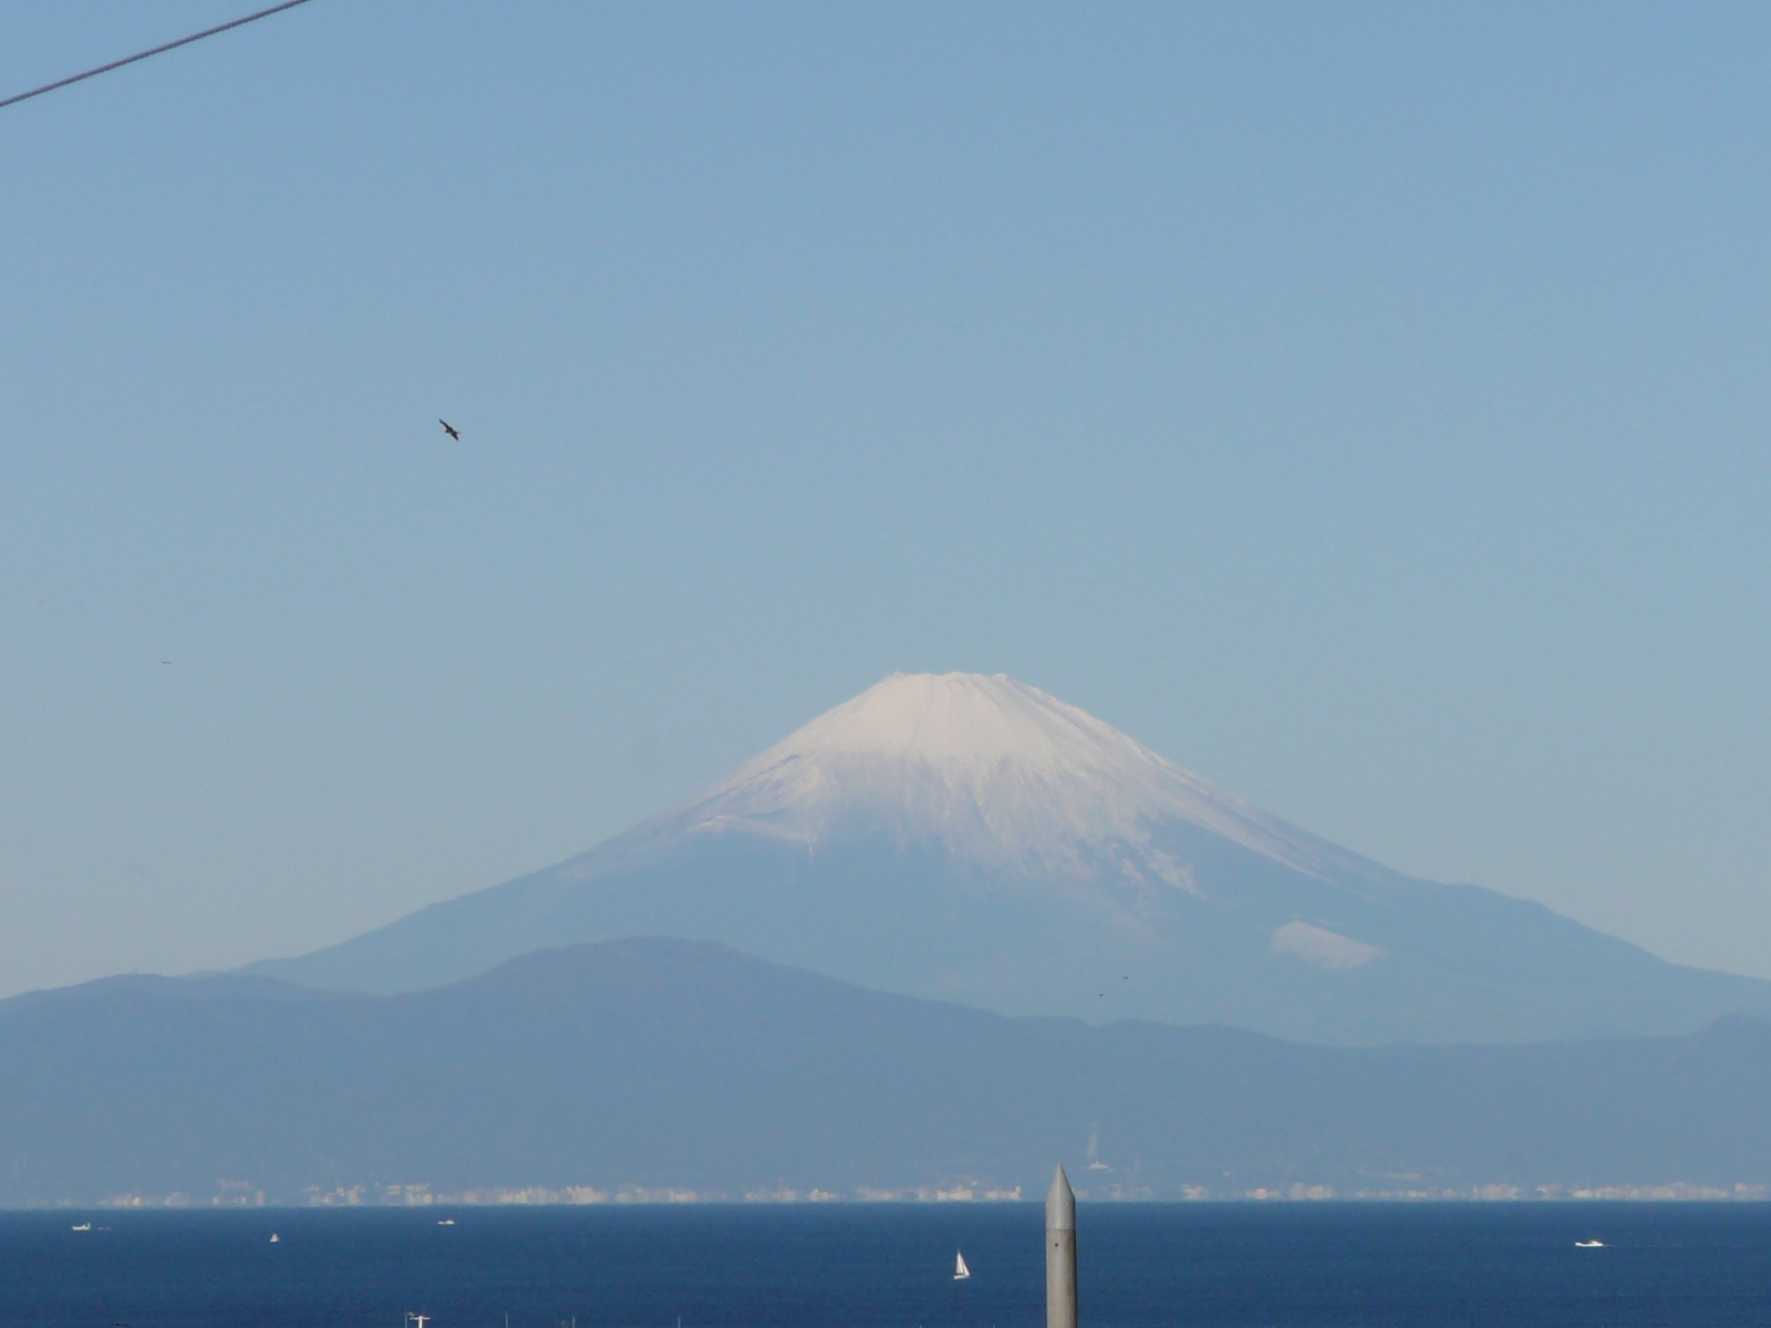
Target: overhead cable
<point>143,55</point>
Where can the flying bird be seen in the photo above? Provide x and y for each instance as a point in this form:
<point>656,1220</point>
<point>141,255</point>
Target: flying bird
<point>450,429</point>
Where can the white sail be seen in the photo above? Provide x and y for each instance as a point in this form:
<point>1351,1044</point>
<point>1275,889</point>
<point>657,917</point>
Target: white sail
<point>959,1268</point>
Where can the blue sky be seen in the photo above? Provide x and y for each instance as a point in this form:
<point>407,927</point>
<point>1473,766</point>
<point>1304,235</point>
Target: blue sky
<point>1362,405</point>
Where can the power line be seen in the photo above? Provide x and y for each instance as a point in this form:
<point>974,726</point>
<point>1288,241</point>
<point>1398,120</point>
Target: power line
<point>131,59</point>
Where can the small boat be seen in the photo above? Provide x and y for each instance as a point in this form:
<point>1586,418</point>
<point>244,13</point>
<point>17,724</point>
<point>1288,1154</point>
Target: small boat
<point>275,1238</point>
<point>82,1226</point>
<point>1589,1244</point>
<point>960,1271</point>
<point>445,1221</point>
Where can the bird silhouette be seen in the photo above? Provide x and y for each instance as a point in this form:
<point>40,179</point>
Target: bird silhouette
<point>450,429</point>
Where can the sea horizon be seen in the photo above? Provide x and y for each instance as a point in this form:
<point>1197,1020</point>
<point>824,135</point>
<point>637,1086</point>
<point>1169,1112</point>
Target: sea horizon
<point>1148,1265</point>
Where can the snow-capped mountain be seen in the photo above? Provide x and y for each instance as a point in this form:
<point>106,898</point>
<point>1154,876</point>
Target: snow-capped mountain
<point>994,772</point>
<point>972,838</point>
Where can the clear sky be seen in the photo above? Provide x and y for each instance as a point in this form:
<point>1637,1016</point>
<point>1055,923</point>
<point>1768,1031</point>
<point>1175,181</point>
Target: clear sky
<point>1363,405</point>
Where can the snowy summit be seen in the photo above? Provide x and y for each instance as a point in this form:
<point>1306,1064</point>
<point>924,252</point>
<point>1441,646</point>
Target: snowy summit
<point>993,770</point>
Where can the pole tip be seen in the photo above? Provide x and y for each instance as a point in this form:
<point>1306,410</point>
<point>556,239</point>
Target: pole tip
<point>1060,1203</point>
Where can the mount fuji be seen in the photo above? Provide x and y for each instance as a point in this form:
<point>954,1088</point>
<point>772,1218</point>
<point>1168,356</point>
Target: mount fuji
<point>973,839</point>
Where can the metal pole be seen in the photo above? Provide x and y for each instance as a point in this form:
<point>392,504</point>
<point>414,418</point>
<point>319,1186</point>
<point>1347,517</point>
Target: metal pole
<point>1060,1253</point>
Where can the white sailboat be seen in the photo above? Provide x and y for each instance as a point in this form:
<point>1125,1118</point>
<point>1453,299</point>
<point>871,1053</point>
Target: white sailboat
<point>960,1271</point>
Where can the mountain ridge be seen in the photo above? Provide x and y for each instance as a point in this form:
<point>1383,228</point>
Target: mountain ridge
<point>651,1067</point>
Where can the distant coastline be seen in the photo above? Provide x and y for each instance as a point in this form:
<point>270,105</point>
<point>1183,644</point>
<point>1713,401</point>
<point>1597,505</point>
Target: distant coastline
<point>422,1196</point>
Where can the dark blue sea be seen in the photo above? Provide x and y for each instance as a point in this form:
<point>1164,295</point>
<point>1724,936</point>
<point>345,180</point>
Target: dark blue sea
<point>1141,1266</point>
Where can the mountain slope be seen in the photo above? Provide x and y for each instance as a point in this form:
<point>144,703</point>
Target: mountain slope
<point>972,838</point>
<point>652,1063</point>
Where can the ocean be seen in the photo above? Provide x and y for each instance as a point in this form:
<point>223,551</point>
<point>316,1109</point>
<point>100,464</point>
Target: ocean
<point>817,1266</point>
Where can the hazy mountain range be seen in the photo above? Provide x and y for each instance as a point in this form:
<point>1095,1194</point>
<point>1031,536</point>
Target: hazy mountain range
<point>652,1065</point>
<point>999,880</point>
<point>971,838</point>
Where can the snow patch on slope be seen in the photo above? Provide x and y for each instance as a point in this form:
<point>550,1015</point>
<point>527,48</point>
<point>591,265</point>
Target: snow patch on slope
<point>1324,948</point>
